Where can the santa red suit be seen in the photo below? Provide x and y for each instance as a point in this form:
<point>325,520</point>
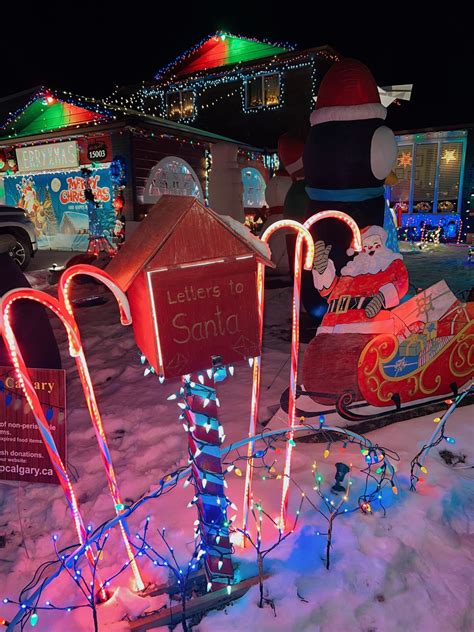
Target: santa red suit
<point>359,302</point>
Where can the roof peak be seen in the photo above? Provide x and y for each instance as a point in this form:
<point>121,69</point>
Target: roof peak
<point>222,49</point>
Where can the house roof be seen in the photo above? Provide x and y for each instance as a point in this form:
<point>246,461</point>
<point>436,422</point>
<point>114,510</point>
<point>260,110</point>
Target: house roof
<point>177,230</point>
<point>42,110</point>
<point>29,114</point>
<point>220,49</point>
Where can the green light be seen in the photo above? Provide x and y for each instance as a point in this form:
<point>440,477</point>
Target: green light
<point>120,507</point>
<point>38,118</point>
<point>34,619</point>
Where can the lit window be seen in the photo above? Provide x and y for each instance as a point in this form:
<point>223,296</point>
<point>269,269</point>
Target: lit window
<point>180,105</point>
<point>263,91</point>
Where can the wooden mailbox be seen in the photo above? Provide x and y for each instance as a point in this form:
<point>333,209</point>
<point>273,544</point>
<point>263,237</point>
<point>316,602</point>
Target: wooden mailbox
<point>190,276</point>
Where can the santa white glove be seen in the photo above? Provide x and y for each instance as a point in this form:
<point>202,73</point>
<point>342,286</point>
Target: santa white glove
<point>376,303</point>
<point>321,258</point>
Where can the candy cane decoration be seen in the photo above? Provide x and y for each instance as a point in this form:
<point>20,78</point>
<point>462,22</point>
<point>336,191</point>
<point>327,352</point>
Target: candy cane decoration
<point>32,398</point>
<point>295,340</point>
<point>64,288</point>
<point>303,234</point>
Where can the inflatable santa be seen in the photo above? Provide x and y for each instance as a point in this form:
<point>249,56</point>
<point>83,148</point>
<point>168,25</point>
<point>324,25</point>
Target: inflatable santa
<point>275,194</point>
<point>290,151</point>
<point>359,300</point>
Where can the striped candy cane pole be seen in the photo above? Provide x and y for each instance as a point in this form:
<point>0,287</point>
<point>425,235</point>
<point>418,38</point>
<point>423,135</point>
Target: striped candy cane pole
<point>295,341</point>
<point>32,398</point>
<point>64,289</point>
<point>303,234</point>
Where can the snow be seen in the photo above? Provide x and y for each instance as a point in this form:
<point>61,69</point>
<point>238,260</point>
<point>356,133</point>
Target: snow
<point>410,570</point>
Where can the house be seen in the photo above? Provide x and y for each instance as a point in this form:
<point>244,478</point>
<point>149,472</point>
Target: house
<point>47,137</point>
<point>435,189</point>
<point>237,86</point>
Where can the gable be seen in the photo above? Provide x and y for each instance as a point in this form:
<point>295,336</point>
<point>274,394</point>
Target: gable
<point>220,50</point>
<point>40,116</point>
<point>163,239</point>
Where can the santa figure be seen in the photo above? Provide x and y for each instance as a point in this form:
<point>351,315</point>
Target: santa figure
<point>359,301</point>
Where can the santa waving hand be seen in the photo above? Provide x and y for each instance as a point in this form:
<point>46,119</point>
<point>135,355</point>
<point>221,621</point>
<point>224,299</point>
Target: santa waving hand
<point>359,302</point>
<point>374,281</point>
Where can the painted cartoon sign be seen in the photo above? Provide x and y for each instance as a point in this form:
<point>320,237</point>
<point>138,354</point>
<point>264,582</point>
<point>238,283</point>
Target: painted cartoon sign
<point>57,206</point>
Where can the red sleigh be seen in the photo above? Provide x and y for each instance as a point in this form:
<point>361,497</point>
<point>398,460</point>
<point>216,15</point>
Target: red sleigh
<point>431,355</point>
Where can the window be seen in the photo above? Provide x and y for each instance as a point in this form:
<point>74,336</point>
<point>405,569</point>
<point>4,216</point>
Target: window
<point>180,105</point>
<point>449,176</point>
<point>429,173</point>
<point>425,176</point>
<point>171,176</point>
<point>263,91</point>
<point>400,192</point>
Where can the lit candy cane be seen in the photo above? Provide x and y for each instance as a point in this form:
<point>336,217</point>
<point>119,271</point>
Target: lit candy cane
<point>303,234</point>
<point>32,398</point>
<point>64,288</point>
<point>295,339</point>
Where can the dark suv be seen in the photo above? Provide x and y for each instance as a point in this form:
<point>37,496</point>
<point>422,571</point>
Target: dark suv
<point>14,221</point>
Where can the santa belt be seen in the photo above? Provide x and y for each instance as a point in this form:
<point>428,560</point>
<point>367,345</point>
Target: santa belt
<point>346,302</point>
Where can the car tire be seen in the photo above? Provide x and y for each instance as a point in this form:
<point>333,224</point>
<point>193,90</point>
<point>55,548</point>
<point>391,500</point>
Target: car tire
<point>21,253</point>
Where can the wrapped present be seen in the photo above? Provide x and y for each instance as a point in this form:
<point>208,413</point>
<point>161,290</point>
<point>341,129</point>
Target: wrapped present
<point>430,330</point>
<point>451,323</point>
<point>413,345</point>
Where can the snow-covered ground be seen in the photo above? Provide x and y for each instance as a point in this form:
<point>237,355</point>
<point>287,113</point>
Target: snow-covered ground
<point>408,570</point>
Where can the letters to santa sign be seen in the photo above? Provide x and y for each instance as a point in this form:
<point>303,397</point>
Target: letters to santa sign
<point>204,311</point>
<point>23,456</point>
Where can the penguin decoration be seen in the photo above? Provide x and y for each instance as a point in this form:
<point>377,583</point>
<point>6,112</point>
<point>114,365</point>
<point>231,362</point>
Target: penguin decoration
<point>348,154</point>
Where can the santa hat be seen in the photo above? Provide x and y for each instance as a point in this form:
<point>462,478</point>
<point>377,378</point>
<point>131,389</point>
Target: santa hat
<point>348,92</point>
<point>290,150</point>
<point>370,231</point>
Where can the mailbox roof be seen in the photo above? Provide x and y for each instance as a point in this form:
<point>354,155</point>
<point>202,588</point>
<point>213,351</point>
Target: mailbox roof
<point>177,230</point>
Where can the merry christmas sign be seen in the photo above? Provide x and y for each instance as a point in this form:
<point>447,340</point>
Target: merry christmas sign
<point>56,204</point>
<point>23,455</point>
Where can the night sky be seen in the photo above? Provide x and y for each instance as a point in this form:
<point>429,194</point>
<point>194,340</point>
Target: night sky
<point>90,47</point>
